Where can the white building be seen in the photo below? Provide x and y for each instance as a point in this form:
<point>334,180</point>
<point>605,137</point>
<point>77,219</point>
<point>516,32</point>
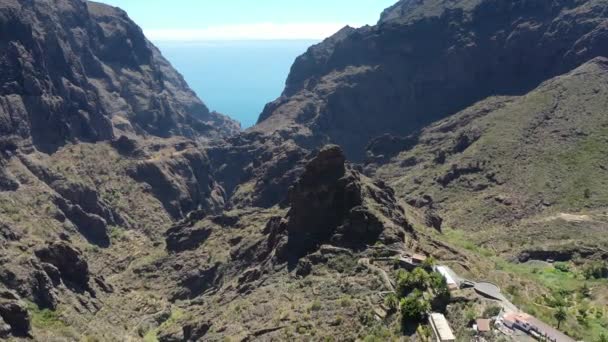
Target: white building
<point>449,278</point>
<point>441,328</point>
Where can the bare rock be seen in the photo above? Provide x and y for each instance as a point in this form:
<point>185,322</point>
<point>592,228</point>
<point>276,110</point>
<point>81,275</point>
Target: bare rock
<point>334,203</point>
<point>183,237</point>
<point>70,262</point>
<point>14,314</point>
<point>183,183</point>
<point>79,71</point>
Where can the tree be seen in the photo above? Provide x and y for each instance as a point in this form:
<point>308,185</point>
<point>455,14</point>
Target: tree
<point>560,315</point>
<point>437,281</point>
<point>392,302</point>
<point>409,281</point>
<point>414,307</point>
<point>603,338</point>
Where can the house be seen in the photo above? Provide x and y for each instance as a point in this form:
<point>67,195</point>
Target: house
<point>418,259</point>
<point>441,328</point>
<point>483,325</point>
<point>534,327</point>
<point>449,276</point>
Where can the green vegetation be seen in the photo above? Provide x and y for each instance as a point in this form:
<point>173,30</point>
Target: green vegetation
<point>417,293</point>
<point>560,315</point>
<point>45,318</point>
<point>392,302</point>
<point>414,307</point>
<point>596,270</point>
<point>152,335</point>
<point>492,311</point>
<point>315,306</point>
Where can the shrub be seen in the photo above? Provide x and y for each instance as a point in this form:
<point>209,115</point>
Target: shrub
<point>585,291</point>
<point>429,263</point>
<point>596,270</point>
<point>392,302</point>
<point>562,266</point>
<point>316,306</point>
<point>492,311</point>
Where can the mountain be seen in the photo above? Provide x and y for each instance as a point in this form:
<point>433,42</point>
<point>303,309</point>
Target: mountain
<point>428,59</point>
<point>469,132</point>
<point>517,172</point>
<point>77,71</point>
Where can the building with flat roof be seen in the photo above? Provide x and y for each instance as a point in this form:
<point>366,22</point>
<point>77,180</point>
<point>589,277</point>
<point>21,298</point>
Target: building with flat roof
<point>449,276</point>
<point>483,325</point>
<point>418,258</point>
<point>441,328</point>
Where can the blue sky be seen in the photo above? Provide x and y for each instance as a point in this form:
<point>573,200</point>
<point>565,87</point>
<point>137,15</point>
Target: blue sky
<point>248,19</point>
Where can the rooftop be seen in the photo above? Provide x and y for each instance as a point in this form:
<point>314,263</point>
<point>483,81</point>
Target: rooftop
<point>441,327</point>
<point>483,325</point>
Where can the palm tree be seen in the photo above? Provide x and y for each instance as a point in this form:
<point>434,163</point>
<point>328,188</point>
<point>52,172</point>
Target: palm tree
<point>560,315</point>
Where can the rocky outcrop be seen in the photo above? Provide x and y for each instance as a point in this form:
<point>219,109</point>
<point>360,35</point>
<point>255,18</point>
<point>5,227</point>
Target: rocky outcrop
<point>255,169</point>
<point>30,280</point>
<point>428,59</point>
<point>193,283</point>
<point>14,318</point>
<point>183,237</point>
<point>68,261</point>
<point>182,182</point>
<point>333,203</point>
<point>93,227</point>
<point>77,70</point>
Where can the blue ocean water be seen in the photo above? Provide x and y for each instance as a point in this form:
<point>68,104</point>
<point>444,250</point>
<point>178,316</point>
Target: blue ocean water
<point>236,78</point>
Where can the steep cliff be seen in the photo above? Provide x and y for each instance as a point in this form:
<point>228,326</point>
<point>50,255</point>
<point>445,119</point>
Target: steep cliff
<point>78,71</point>
<point>427,59</point>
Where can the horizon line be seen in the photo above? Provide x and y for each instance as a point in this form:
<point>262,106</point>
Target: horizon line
<point>266,31</point>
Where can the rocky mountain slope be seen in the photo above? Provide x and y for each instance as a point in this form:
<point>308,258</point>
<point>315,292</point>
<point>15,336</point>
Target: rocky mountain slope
<point>129,211</point>
<point>512,165</point>
<point>428,59</point>
<point>78,71</point>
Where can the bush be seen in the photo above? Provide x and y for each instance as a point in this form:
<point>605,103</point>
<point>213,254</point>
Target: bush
<point>596,270</point>
<point>562,266</point>
<point>316,306</point>
<point>585,291</point>
<point>392,302</point>
<point>492,311</point>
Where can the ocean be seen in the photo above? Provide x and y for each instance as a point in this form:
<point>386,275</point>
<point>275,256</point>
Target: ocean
<point>236,78</point>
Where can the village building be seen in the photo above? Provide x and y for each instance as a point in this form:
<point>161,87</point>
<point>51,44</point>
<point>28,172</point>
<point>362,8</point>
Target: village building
<point>441,328</point>
<point>483,326</point>
<point>449,276</point>
<point>418,259</point>
<point>534,327</point>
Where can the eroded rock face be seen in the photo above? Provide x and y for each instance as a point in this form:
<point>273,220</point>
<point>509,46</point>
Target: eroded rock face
<point>256,169</point>
<point>428,59</point>
<point>14,318</point>
<point>78,70</point>
<point>70,263</point>
<point>332,203</point>
<point>183,183</point>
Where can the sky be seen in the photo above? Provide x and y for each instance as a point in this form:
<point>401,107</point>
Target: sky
<point>199,20</point>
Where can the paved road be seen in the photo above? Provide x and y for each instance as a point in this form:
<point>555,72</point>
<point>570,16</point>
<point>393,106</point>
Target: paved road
<point>492,291</point>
